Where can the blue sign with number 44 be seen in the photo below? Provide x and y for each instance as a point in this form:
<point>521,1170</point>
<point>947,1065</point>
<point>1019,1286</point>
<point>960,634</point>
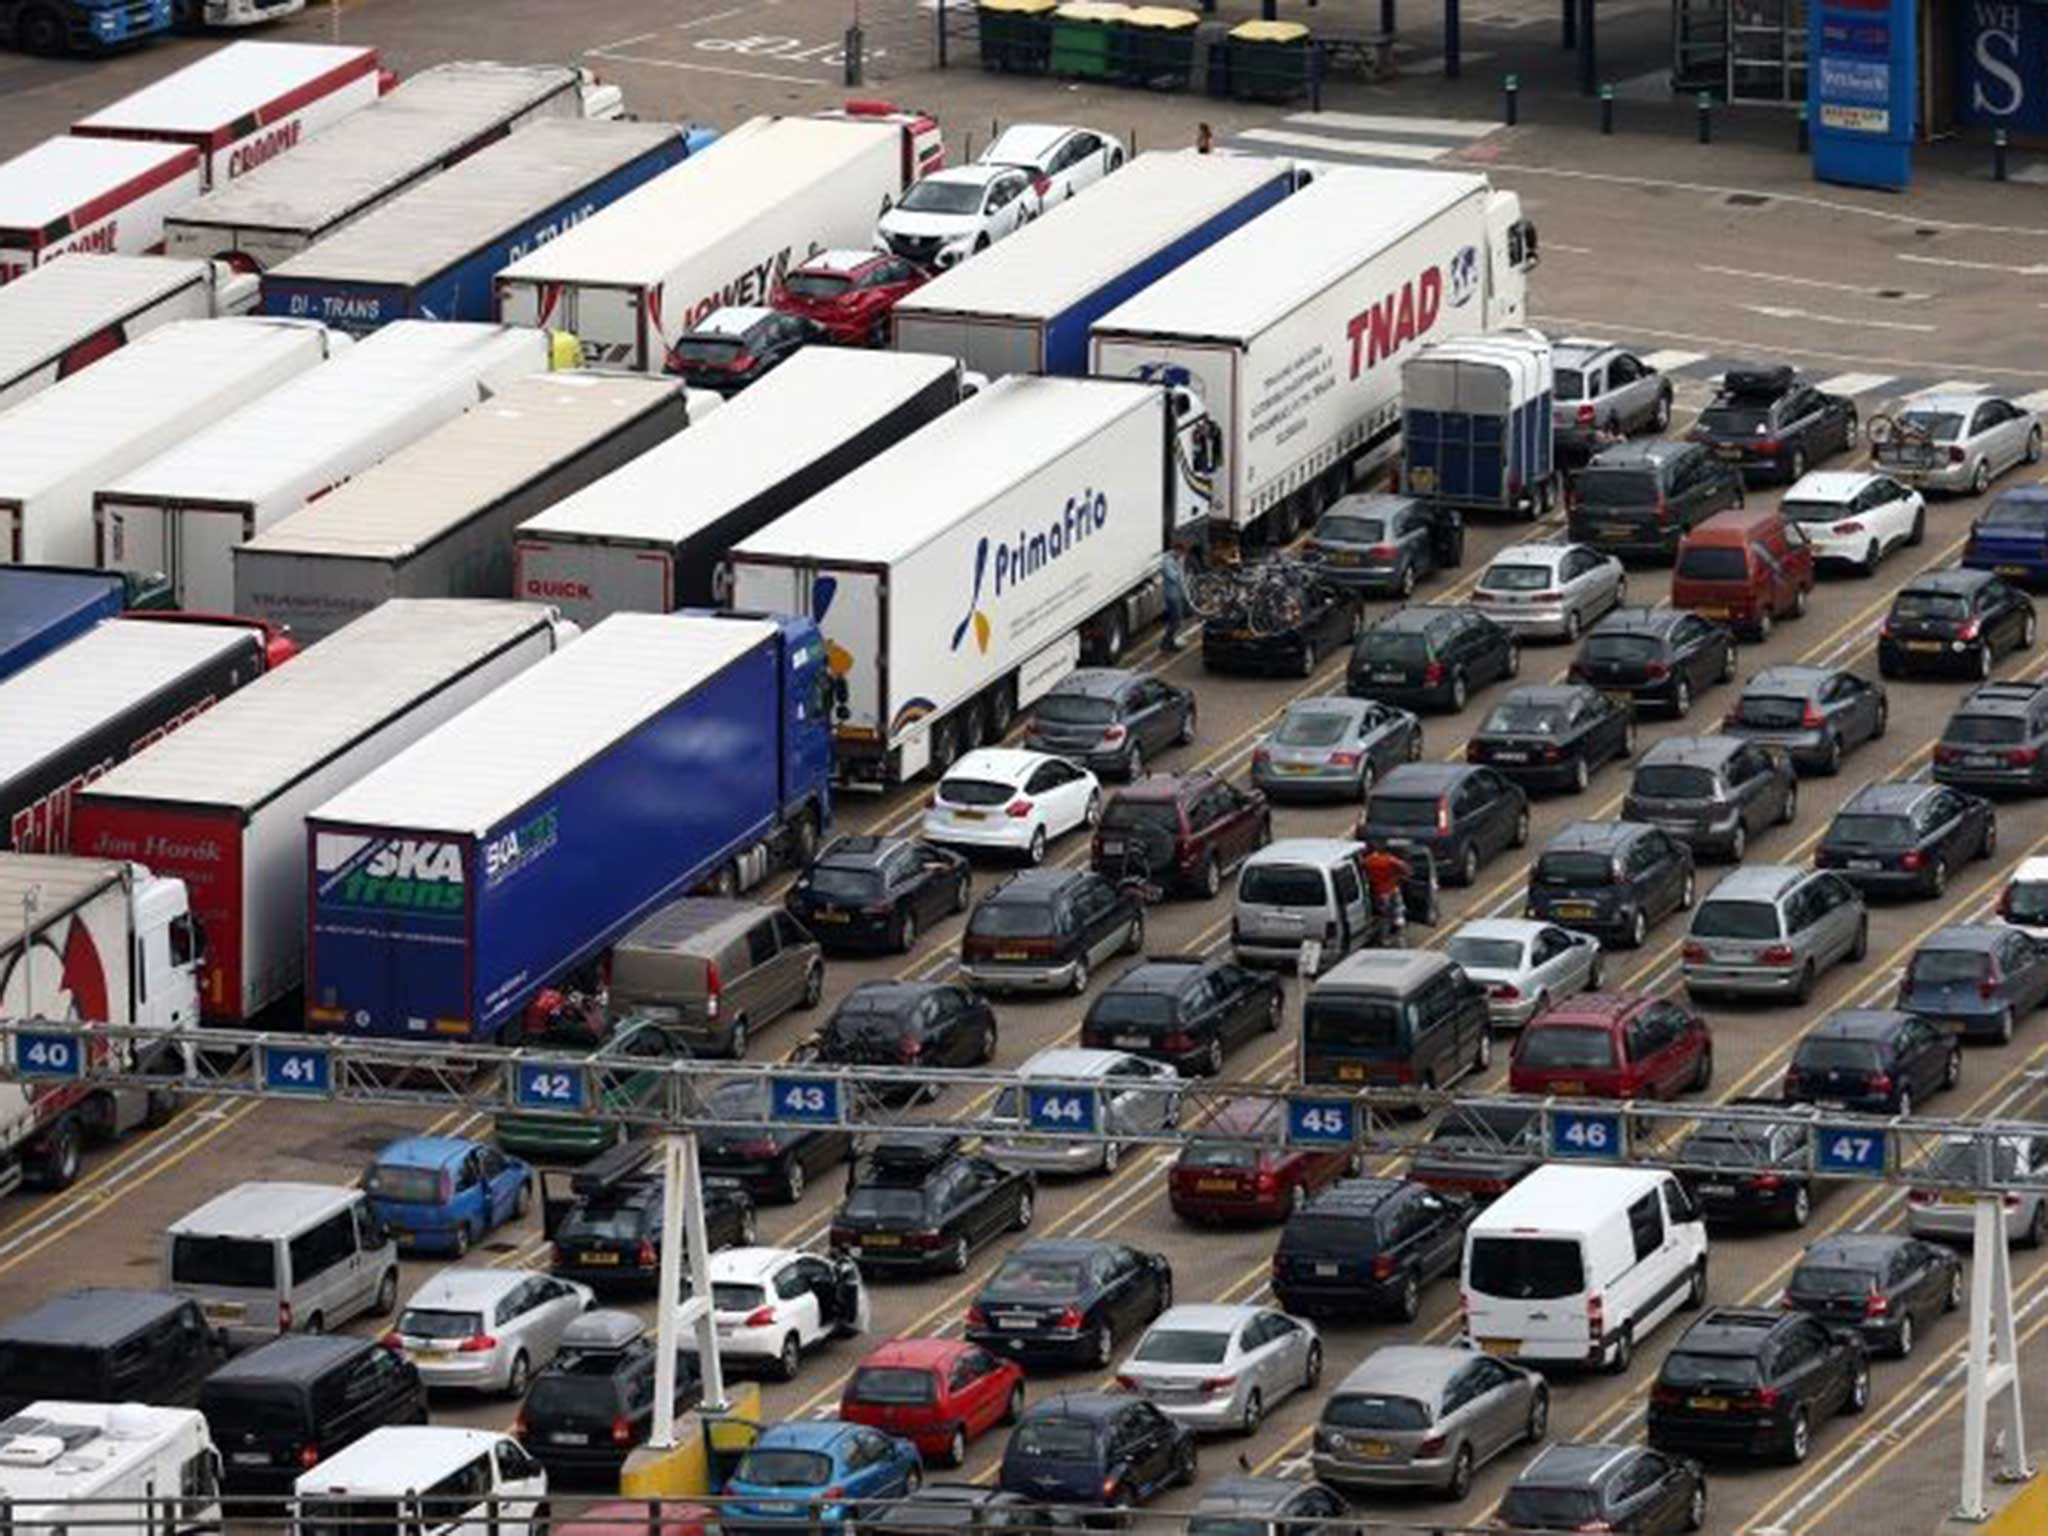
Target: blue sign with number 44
<point>1321,1122</point>
<point>1587,1135</point>
<point>1061,1109</point>
<point>805,1101</point>
<point>548,1085</point>
<point>1849,1149</point>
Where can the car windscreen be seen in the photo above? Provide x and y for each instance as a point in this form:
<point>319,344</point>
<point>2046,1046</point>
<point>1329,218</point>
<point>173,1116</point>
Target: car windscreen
<point>1075,709</point>
<point>242,1263</point>
<point>1485,954</point>
<point>884,1202</point>
<point>1394,647</point>
<point>1526,1268</point>
<point>975,792</point>
<point>1000,919</point>
<point>236,1408</point>
<point>1550,1509</point>
<point>1503,577</point>
<point>1282,885</point>
<point>1370,1410</point>
<point>1403,811</point>
<point>1024,1276</point>
<point>1977,730</point>
<point>727,1296</point>
<point>1941,426</point>
<point>1828,1280</point>
<point>1910,604</point>
<point>407,1186</point>
<point>2030,516</point>
<point>942,197</point>
<point>1567,384</point>
<point>1574,869</point>
<point>1696,1372</point>
<point>817,285</point>
<point>607,1221</point>
<point>1219,1154</point>
<point>1712,562</point>
<point>852,886</point>
<point>1517,718</point>
<point>892,1384</point>
<point>1344,529</point>
<point>1813,511</point>
<point>1312,728</point>
<point>1566,1045</point>
<point>1731,919</point>
<point>1872,831</point>
<point>1830,1055</point>
<point>1770,712</point>
<point>702,350</point>
<point>1122,815</point>
<point>1617,487</point>
<point>1183,1346</point>
<point>1932,967</point>
<point>1334,1021</point>
<point>1115,1009</point>
<point>1737,420</point>
<point>1631,650</point>
<point>1730,1147</point>
<point>778,1467</point>
<point>1673,781</point>
<point>439,1323</point>
<point>1054,1439</point>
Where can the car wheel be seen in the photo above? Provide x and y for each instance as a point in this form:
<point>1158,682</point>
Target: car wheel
<point>462,1239</point>
<point>1136,941</point>
<point>1703,1073</point>
<point>1904,1108</point>
<point>1904,1346</point>
<point>1514,661</point>
<point>1983,660</point>
<point>1297,1198</point>
<point>516,1378</point>
<point>1408,579</point>
<point>1253,1415</point>
<point>1539,1417</point>
<point>1987,845</point>
<point>814,989</point>
<point>1952,1299</point>
<point>1859,1389</point>
<point>1687,893</point>
<point>1628,739</point>
<point>1186,733</point>
<point>955,1454</point>
<point>1212,1059</point>
<point>1681,697</point>
<point>1468,865</point>
<point>1013,1410</point>
<point>1212,876</point>
<point>958,1256</point>
<point>1521,835</point>
<point>1409,1304</point>
<point>1804,990</point>
<point>1482,1055</point>
<point>1799,1440</point>
<point>1572,625</point>
<point>1738,842</point>
<point>1660,414</point>
<point>963,889</point>
<point>1832,763</point>
<point>1980,478</point>
<point>1579,775</point>
<point>1460,1485</point>
<point>792,1179</point>
<point>1868,564</point>
<point>1762,627</point>
<point>1638,929</point>
<point>387,1295</point>
<point>1952,1069</point>
<point>1919,533</point>
<point>1020,1220</point>
<point>40,31</point>
<point>736,1047</point>
<point>2037,1226</point>
<point>1802,1207</point>
<point>750,1227</point>
<point>1862,946</point>
<point>1035,852</point>
<point>1624,1353</point>
<point>522,1200</point>
<point>1134,764</point>
<point>1799,600</point>
<point>1937,876</point>
<point>1309,658</point>
<point>1696,1506</point>
<point>1105,1347</point>
<point>906,924</point>
<point>1078,983</point>
<point>791,1360</point>
<point>1459,692</point>
<point>1798,463</point>
<point>2027,631</point>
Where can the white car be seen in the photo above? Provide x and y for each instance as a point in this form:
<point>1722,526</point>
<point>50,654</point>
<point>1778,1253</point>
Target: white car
<point>1525,966</point>
<point>772,1306</point>
<point>1009,800</point>
<point>951,214</point>
<point>1222,1367</point>
<point>1553,590</point>
<point>1063,160</point>
<point>487,1329</point>
<point>2024,902</point>
<point>1854,517</point>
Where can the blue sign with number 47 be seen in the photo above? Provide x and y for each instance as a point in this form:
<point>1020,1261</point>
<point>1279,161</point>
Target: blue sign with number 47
<point>1587,1135</point>
<point>1061,1109</point>
<point>548,1085</point>
<point>1849,1149</point>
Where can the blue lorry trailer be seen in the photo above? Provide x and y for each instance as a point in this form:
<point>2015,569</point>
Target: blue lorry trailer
<point>42,608</point>
<point>1475,424</point>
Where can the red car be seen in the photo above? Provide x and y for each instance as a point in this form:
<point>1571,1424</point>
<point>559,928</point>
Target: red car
<point>1614,1045</point>
<point>1226,1179</point>
<point>278,645</point>
<point>936,1393</point>
<point>849,293</point>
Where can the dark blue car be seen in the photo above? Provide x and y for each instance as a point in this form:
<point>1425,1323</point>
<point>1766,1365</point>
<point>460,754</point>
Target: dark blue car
<point>1110,1450</point>
<point>444,1193</point>
<point>2011,536</point>
<point>1067,1301</point>
<point>815,1473</point>
<point>1978,979</point>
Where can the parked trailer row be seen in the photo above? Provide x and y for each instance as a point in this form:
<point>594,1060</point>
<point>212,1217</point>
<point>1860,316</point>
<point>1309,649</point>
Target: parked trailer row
<point>44,610</point>
<point>72,197</point>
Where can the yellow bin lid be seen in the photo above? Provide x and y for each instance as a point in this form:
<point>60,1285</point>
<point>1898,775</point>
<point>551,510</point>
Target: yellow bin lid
<point>1162,18</point>
<point>1269,32</point>
<point>1093,10</point>
<point>1021,7</point>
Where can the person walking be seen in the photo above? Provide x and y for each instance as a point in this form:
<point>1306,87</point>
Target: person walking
<point>1205,139</point>
<point>1174,577</point>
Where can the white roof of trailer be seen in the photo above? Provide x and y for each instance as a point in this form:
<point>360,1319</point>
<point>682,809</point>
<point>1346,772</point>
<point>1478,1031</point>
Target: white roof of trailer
<point>966,458</point>
<point>103,1448</point>
<point>489,761</point>
<point>1065,255</point>
<point>803,410</point>
<point>230,83</point>
<point>1257,274</point>
<point>437,482</point>
<point>44,311</point>
<point>58,878</point>
<point>433,226</point>
<point>386,144</point>
<point>66,175</point>
<point>281,727</point>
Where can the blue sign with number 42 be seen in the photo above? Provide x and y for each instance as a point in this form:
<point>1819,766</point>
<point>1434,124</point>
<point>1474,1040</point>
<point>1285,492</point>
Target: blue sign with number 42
<point>548,1085</point>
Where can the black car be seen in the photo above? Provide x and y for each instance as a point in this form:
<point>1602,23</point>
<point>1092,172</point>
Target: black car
<point>1187,1011</point>
<point>1638,500</point>
<point>1382,544</point>
<point>1978,979</point>
<point>1108,1449</point>
<point>776,1164</point>
<point>1480,1150</point>
<point>1817,715</point>
<point>1613,879</point>
<point>915,1201</point>
<point>1368,1246</point>
<point>1745,1381</point>
<point>1626,1489</point>
<point>1067,1301</point>
<point>910,1024</point>
<point>607,1231</point>
<point>1553,735</point>
<point>969,1509</point>
<point>1713,793</point>
<point>1655,656</point>
<point>1329,620</point>
<point>1046,930</point>
<point>1111,719</point>
<point>877,893</point>
<point>1997,739</point>
<point>107,1346</point>
<point>1953,621</point>
<point>1885,1286</point>
<point>1773,424</point>
<point>594,1402</point>
<point>1907,839</point>
<point>1875,1061</point>
<point>1431,656</point>
<point>300,1398</point>
<point>1459,814</point>
<point>738,345</point>
<point>1756,1170</point>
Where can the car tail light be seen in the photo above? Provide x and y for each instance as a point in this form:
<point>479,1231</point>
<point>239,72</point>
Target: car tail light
<point>1214,1384</point>
<point>1443,818</point>
<point>1970,630</point>
<point>843,1237</point>
<point>2012,1200</point>
<point>390,1340</point>
<point>1127,1383</point>
<point>1769,447</point>
<point>712,987</point>
<point>1505,991</point>
<point>1584,415</point>
<point>1431,1445</point>
<point>477,1344</point>
<point>1657,670</point>
<point>1777,954</point>
<point>622,1430</point>
<point>645,1256</point>
<point>1433,674</point>
<point>1343,759</point>
<point>1546,597</point>
<point>1693,954</point>
<point>909,1048</point>
<point>927,1239</point>
<point>1475,752</point>
<point>976,1318</point>
<point>1910,860</point>
<point>1178,1040</point>
<point>1850,527</point>
<point>1955,455</point>
<point>1767,1182</point>
<point>1879,1084</point>
<point>1069,1319</point>
<point>1946,754</point>
<point>1040,185</point>
<point>1383,1267</point>
<point>2005,902</point>
<point>1552,753</point>
<point>1110,1484</point>
<point>1267,1181</point>
<point>554,1255</point>
<point>760,1317</point>
<point>284,1317</point>
<point>309,1455</point>
<point>1810,717</point>
<point>1261,757</point>
<point>1765,1398</point>
<point>1112,734</point>
<point>1876,1304</point>
<point>1384,552</point>
<point>1884,628</point>
<point>2021,757</point>
<point>1596,1317</point>
<point>1920,1197</point>
<point>1018,809</point>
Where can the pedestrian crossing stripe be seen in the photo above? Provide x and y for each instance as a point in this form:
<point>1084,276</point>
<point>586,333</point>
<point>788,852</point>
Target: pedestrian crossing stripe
<point>2037,401</point>
<point>1366,137</point>
<point>1322,144</point>
<point>1853,383</point>
<point>1370,122</point>
<point>1951,387</point>
<point>1670,360</point>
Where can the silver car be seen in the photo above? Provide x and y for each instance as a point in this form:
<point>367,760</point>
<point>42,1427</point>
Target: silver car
<point>1601,392</point>
<point>1955,442</point>
<point>1769,930</point>
<point>1427,1416</point>
<point>1222,1367</point>
<point>1132,1095</point>
<point>1334,746</point>
<point>1952,1214</point>
<point>1525,966</point>
<point>1553,590</point>
<point>487,1329</point>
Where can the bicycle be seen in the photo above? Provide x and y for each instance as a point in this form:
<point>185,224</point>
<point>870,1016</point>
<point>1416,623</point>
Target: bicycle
<point>1269,596</point>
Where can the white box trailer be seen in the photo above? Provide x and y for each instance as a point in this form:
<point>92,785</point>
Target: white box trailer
<point>243,105</point>
<point>436,519</point>
<point>953,575</point>
<point>71,197</point>
<point>129,1457</point>
<point>427,124</point>
<point>185,510</point>
<point>653,535</point>
<point>60,446</point>
<point>720,229</point>
<point>1292,330</point>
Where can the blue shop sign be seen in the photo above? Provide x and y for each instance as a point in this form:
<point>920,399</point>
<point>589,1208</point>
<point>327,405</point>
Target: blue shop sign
<point>2002,65</point>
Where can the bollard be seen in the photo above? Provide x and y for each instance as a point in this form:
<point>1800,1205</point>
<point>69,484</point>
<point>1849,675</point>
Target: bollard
<point>1805,131</point>
<point>1704,104</point>
<point>852,50</point>
<point>1511,92</point>
<point>1998,154</point>
<point>1607,109</point>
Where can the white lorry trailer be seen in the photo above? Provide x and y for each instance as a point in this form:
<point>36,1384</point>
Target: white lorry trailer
<point>436,519</point>
<point>71,197</point>
<point>1292,330</point>
<point>141,1470</point>
<point>958,576</point>
<point>185,510</point>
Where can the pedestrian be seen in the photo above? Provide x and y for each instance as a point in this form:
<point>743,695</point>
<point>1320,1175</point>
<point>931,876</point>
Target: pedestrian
<point>1173,574</point>
<point>1205,138</point>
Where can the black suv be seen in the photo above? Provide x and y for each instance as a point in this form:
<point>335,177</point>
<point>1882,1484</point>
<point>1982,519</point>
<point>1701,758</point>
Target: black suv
<point>1907,839</point>
<point>1613,879</point>
<point>107,1346</point>
<point>1875,1061</point>
<point>1459,814</point>
<point>910,1024</point>
<point>1046,930</point>
<point>1713,792</point>
<point>1953,621</point>
<point>1817,714</point>
<point>1068,1300</point>
<point>735,346</point>
<point>591,1404</point>
<point>1369,1245</point>
<point>1382,545</point>
<point>1749,1171</point>
<point>1885,1285</point>
<point>1553,735</point>
<point>607,1230</point>
<point>1186,1011</point>
<point>303,1396</point>
<point>1658,656</point>
<point>877,893</point>
<point>1772,424</point>
<point>1583,1486</point>
<point>1638,500</point>
<point>915,1201</point>
<point>1110,720</point>
<point>1744,1382</point>
<point>1431,657</point>
<point>1997,739</point>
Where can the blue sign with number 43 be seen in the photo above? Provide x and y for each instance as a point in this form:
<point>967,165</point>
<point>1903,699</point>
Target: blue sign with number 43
<point>804,1101</point>
<point>548,1085</point>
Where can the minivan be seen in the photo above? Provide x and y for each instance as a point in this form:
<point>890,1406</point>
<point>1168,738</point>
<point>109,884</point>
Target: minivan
<point>716,972</point>
<point>1578,1265</point>
<point>1770,930</point>
<point>265,1259</point>
<point>1746,568</point>
<point>278,1409</point>
<point>1396,1018</point>
<point>426,1480</point>
<point>106,1346</point>
<point>1296,890</point>
<point>1637,500</point>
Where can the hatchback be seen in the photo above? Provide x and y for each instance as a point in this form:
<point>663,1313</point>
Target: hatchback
<point>1426,1415</point>
<point>1770,930</point>
<point>594,1402</point>
<point>848,294</point>
<point>867,892</point>
<point>1746,568</point>
<point>916,1202</point>
<point>1580,1486</point>
<point>1907,839</point>
<point>1047,930</point>
<point>1748,1171</point>
<point>1182,831</point>
<point>732,347</point>
<point>775,1164</point>
<point>1816,714</point>
<point>1976,978</point>
<point>796,1465</point>
<point>1885,1286</point>
<point>1481,1150</point>
<point>1110,720</point>
<point>2010,536</point>
<point>1949,1212</point>
<point>1601,392</point>
<point>1745,1382</point>
<point>1431,657</point>
<point>1855,518</point>
<point>1637,500</point>
<point>1236,1167</point>
<point>1875,1061</point>
<point>1524,966</point>
<point>1462,815</point>
<point>1996,739</point>
<point>1222,1366</point>
<point>1956,442</point>
<point>1614,1045</point>
<point>772,1306</point>
<point>1189,1012</point>
<point>1773,424</point>
<point>1067,1301</point>
<point>1953,621</point>
<point>1328,618</point>
<point>486,1329</point>
<point>1550,590</point>
<point>952,214</point>
<point>1334,746</point>
<point>923,1024</point>
<point>1713,792</point>
<point>1655,656</point>
<point>1369,1246</point>
<point>443,1193</point>
<point>1553,735</point>
<point>1382,545</point>
<point>1061,158</point>
<point>938,1394</point>
<point>1002,799</point>
<point>1613,879</point>
<point>1107,1449</point>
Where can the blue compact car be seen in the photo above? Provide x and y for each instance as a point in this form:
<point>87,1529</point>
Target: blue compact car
<point>789,1474</point>
<point>440,1194</point>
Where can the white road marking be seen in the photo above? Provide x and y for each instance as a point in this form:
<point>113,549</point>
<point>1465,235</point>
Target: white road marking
<point>681,26</point>
<point>706,69</point>
<point>1787,312</point>
<point>1671,359</point>
<point>1377,149</point>
<point>2038,269</point>
<point>1569,250</point>
<point>1370,122</point>
<point>1867,290</point>
<point>1736,346</point>
<point>1951,387</point>
<point>2037,401</point>
<point>1854,383</point>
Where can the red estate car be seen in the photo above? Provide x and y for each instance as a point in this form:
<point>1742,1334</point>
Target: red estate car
<point>1230,1179</point>
<point>936,1393</point>
<point>1614,1045</point>
<point>1185,831</point>
<point>849,293</point>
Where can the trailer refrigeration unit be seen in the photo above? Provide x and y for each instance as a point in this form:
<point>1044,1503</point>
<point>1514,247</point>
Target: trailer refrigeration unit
<point>430,254</point>
<point>653,536</point>
<point>70,197</point>
<point>959,575</point>
<point>1025,305</point>
<point>721,230</point>
<point>185,510</point>
<point>222,802</point>
<point>1292,331</point>
<point>75,437</point>
<point>98,702</point>
<point>243,105</point>
<point>435,119</point>
<point>436,519</point>
<point>489,859</point>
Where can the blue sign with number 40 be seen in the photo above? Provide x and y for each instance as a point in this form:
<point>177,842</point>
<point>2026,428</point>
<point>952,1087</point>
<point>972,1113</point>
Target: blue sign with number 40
<point>40,1055</point>
<point>548,1085</point>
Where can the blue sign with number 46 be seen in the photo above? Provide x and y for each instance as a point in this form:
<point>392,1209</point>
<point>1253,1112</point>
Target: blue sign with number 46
<point>1849,1149</point>
<point>1586,1135</point>
<point>1061,1109</point>
<point>1321,1122</point>
<point>548,1085</point>
<point>806,1101</point>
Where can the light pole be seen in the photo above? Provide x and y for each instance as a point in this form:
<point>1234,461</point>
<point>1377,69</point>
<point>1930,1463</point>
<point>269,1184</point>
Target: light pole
<point>31,904</point>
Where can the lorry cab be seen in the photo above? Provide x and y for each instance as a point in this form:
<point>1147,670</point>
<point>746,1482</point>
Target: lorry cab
<point>1511,256</point>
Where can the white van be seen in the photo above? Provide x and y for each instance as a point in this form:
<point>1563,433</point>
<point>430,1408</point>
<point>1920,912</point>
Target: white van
<point>1579,1264</point>
<point>163,1459</point>
<point>1298,889</point>
<point>424,1480</point>
<point>266,1259</point>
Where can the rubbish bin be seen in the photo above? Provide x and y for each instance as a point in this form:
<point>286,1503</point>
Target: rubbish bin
<point>1270,60</point>
<point>1016,35</point>
<point>1084,37</point>
<point>1157,47</point>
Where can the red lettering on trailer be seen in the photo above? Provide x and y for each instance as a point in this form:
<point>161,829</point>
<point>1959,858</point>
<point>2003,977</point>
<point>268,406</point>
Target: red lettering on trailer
<point>1382,328</point>
<point>98,241</point>
<point>265,146</point>
<point>535,587</point>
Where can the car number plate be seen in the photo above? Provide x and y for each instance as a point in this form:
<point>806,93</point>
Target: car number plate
<point>597,1256</point>
<point>1708,1404</point>
<point>1131,1042</point>
<point>250,1458</point>
<point>1343,557</point>
<point>1016,1322</point>
<point>224,1311</point>
<point>1979,760</point>
<point>1717,1189</point>
<point>569,1437</point>
<point>1714,611</point>
<point>1112,846</point>
<point>1616,530</point>
<point>1383,675</point>
<point>1374,1448</point>
<point>1574,909</point>
<point>1011,954</point>
<point>1326,1271</point>
<point>1501,1346</point>
<point>1923,645</point>
<point>1510,757</point>
<point>1216,1186</point>
<point>1568,1086</point>
<point>1953,1198</point>
<point>970,815</point>
<point>1349,1072</point>
<point>881,1240</point>
<point>2012,570</point>
<point>1728,451</point>
<point>1617,696</point>
<point>827,915</point>
<point>1297,767</point>
<point>1866,863</point>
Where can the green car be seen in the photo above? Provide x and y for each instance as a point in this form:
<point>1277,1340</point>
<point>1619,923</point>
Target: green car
<point>633,1039</point>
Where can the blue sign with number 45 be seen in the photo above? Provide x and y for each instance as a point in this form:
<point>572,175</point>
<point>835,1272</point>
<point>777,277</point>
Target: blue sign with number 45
<point>1061,1109</point>
<point>548,1085</point>
<point>1321,1122</point>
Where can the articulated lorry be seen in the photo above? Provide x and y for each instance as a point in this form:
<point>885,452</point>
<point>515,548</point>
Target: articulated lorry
<point>81,26</point>
<point>657,754</point>
<point>43,609</point>
<point>74,197</point>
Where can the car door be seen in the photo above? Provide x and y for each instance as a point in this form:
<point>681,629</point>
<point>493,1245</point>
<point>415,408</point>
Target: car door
<point>502,1183</point>
<point>795,1286</point>
<point>915,878</point>
<point>1440,1234</point>
<point>763,994</point>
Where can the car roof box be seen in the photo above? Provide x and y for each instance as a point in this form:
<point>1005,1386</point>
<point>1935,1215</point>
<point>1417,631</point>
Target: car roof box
<point>1758,381</point>
<point>622,1164</point>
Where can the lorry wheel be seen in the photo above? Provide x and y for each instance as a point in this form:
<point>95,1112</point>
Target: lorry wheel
<point>40,30</point>
<point>806,833</point>
<point>1112,646</point>
<point>59,1164</point>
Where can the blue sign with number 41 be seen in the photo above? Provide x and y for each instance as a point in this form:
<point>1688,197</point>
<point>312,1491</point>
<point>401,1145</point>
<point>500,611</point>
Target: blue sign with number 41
<point>296,1069</point>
